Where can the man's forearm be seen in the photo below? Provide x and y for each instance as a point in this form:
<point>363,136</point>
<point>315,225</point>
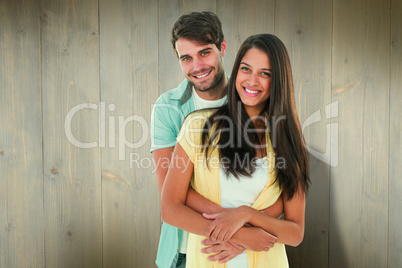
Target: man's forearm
<point>200,204</point>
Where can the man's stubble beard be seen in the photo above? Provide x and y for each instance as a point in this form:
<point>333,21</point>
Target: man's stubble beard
<point>218,78</point>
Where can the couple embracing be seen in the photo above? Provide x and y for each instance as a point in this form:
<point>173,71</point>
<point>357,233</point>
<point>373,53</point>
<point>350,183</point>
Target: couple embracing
<point>224,193</point>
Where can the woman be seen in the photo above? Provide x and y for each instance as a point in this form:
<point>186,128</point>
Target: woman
<point>237,165</point>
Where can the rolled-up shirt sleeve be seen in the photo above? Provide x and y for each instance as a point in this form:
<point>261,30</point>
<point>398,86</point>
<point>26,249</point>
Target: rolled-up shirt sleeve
<point>166,119</point>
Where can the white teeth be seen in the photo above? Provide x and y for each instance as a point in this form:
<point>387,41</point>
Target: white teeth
<point>201,76</point>
<point>250,91</point>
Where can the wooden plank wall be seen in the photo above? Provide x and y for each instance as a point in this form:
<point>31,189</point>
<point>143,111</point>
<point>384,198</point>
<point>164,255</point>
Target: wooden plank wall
<point>101,64</point>
<point>359,185</point>
<point>72,182</point>
<point>395,167</point>
<point>21,181</point>
<point>129,85</point>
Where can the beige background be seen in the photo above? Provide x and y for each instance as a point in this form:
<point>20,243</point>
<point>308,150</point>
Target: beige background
<point>65,206</point>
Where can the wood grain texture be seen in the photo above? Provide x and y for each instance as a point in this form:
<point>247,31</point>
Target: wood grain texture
<point>304,28</point>
<point>359,185</point>
<point>129,83</point>
<point>72,198</point>
<point>395,168</point>
<point>240,19</point>
<point>21,180</point>
<point>170,74</point>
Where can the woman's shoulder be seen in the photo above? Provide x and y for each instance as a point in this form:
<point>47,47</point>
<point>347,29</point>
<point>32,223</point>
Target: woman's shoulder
<point>202,113</point>
<point>199,118</point>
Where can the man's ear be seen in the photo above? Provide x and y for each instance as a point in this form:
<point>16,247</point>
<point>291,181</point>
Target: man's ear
<point>223,47</point>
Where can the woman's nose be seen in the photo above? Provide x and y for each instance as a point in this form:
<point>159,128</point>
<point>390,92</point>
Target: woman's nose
<point>252,79</point>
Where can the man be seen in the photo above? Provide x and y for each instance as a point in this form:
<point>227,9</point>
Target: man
<point>199,44</point>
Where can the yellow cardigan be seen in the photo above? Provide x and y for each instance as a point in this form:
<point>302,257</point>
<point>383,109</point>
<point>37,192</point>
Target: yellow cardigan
<point>205,181</point>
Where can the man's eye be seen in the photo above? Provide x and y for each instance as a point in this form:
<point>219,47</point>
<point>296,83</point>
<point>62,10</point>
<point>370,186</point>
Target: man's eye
<point>204,53</point>
<point>185,59</point>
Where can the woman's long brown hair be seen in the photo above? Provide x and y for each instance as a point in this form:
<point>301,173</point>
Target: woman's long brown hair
<point>285,131</point>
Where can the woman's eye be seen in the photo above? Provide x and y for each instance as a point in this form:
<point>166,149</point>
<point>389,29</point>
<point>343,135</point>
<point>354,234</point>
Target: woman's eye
<point>185,59</point>
<point>245,69</point>
<point>266,74</point>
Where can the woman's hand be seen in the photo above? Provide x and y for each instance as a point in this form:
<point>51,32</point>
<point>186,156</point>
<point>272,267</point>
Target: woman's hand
<point>226,223</point>
<point>225,251</point>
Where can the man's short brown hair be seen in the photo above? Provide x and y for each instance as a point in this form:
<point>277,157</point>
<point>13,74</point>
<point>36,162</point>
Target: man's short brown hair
<point>203,27</point>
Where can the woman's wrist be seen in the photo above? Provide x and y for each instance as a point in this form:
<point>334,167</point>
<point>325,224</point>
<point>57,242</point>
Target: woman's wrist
<point>246,213</point>
<point>238,236</point>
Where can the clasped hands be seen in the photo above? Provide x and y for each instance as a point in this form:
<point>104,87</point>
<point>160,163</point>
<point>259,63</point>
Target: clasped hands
<point>227,223</point>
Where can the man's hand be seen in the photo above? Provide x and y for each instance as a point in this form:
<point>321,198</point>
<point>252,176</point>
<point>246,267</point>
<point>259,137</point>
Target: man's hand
<point>255,239</point>
<point>225,251</point>
<point>226,223</point>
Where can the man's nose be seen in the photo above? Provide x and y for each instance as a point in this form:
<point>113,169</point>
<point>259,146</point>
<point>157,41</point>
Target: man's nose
<point>198,65</point>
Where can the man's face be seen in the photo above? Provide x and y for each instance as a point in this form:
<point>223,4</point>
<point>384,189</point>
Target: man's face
<point>202,64</point>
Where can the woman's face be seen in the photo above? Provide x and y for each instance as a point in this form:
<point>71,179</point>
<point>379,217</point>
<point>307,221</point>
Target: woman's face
<point>253,81</point>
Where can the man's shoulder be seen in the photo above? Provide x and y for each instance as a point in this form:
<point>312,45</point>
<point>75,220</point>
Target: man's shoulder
<point>165,97</point>
<point>173,95</point>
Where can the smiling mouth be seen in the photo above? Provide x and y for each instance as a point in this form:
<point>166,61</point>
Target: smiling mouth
<point>251,91</point>
<point>201,76</point>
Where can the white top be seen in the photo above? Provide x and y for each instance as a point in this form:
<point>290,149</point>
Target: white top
<point>199,103</point>
<point>243,191</point>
